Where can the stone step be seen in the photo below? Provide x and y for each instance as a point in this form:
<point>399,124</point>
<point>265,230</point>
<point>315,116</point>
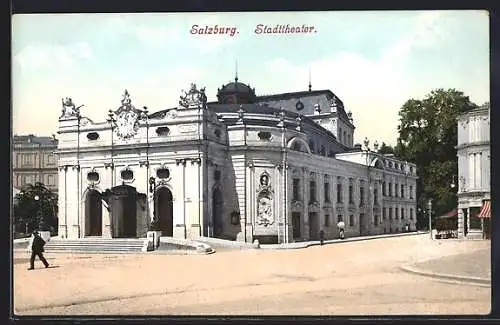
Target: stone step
<point>96,245</point>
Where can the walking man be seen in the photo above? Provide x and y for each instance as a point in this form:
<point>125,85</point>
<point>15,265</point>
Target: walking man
<point>37,249</point>
<point>321,236</point>
<point>341,226</point>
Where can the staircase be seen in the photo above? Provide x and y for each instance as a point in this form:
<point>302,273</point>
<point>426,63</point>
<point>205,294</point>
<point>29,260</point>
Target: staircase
<point>98,245</point>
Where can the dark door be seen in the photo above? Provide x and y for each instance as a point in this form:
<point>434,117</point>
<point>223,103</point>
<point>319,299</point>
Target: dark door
<point>362,221</point>
<point>124,211</point>
<point>165,211</point>
<point>466,219</point>
<point>296,225</point>
<point>93,213</point>
<point>313,225</point>
<point>217,203</point>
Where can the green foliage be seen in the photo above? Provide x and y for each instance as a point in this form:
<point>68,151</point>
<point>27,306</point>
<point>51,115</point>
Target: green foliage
<point>30,213</point>
<point>427,137</point>
<point>385,149</point>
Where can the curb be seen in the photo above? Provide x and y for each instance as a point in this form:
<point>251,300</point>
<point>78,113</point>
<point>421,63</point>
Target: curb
<point>456,277</point>
<point>337,241</point>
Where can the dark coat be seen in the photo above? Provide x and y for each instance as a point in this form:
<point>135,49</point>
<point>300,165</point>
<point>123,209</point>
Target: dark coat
<point>38,243</point>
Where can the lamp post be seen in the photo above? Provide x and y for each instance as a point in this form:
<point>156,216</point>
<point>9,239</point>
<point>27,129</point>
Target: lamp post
<point>152,189</point>
<point>453,181</point>
<point>430,217</point>
<point>41,223</point>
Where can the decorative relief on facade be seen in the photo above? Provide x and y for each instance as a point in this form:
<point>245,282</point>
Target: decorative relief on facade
<point>265,209</point>
<point>69,109</point>
<point>296,206</point>
<point>187,128</point>
<point>172,114</point>
<point>265,183</point>
<point>193,98</point>
<point>127,118</point>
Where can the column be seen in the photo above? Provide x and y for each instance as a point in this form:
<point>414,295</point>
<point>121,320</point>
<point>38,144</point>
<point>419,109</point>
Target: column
<point>62,202</point>
<point>305,196</point>
<point>179,192</point>
<point>192,200</point>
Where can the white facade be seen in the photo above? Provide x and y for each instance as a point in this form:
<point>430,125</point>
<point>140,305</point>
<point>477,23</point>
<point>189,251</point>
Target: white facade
<point>473,152</point>
<point>242,168</point>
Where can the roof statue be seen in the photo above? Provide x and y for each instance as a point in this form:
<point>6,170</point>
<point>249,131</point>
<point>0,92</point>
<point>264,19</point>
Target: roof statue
<point>69,109</point>
<point>193,98</point>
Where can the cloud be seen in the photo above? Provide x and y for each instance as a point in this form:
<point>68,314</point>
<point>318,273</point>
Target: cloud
<point>52,56</point>
<point>426,32</point>
<point>157,35</point>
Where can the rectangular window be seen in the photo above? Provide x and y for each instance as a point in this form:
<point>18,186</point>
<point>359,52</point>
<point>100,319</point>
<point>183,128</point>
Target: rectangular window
<point>50,180</point>
<point>339,193</point>
<point>351,194</point>
<point>395,190</point>
<point>327,220</point>
<point>390,189</point>
<point>402,214</point>
<point>327,192</point>
<point>390,214</point>
<point>384,192</point>
<point>384,213</point>
<point>339,218</point>
<point>375,196</point>
<point>402,191</point>
<point>375,220</point>
<point>27,159</point>
<point>351,220</point>
<point>296,189</point>
<point>312,191</point>
<point>361,196</point>
<point>411,213</point>
<point>50,159</point>
<point>411,192</point>
<point>396,212</point>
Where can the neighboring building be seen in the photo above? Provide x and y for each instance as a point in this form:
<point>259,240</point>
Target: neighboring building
<point>33,160</point>
<point>275,168</point>
<point>473,151</point>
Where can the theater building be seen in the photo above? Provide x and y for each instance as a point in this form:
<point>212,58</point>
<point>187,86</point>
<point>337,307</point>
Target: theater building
<point>277,168</point>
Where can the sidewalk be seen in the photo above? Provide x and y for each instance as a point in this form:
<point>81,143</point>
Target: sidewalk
<point>306,244</point>
<point>471,267</point>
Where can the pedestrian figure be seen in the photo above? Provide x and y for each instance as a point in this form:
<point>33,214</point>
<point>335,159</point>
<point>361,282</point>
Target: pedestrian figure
<point>321,236</point>
<point>37,250</point>
<point>341,226</point>
<point>407,228</point>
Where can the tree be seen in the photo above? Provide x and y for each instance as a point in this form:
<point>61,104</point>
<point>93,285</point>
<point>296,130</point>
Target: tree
<point>29,213</point>
<point>428,136</point>
<point>385,149</point>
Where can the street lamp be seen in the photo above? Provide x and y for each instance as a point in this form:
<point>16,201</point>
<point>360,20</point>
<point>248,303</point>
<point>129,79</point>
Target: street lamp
<point>453,183</point>
<point>152,189</point>
<point>41,224</point>
<point>430,218</point>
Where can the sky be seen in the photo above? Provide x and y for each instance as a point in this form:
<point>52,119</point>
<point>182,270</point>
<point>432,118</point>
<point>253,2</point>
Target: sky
<point>374,61</point>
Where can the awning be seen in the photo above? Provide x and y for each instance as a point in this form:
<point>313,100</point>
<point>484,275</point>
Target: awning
<point>453,213</point>
<point>485,210</point>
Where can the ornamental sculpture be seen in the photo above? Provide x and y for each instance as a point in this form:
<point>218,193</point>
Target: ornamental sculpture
<point>193,98</point>
<point>264,211</point>
<point>127,118</point>
<point>69,109</point>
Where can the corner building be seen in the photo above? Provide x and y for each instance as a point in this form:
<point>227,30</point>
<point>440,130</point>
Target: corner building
<point>277,168</point>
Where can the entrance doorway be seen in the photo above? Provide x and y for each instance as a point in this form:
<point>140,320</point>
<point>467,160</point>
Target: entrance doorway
<point>123,210</point>
<point>466,222</point>
<point>362,222</point>
<point>313,225</point>
<point>93,213</point>
<point>217,204</point>
<point>164,210</point>
<point>296,225</point>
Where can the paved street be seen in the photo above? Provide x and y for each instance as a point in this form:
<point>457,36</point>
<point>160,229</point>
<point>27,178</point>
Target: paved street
<point>355,278</point>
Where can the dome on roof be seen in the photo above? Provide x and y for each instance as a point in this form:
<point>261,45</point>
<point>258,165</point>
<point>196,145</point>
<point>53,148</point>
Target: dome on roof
<point>236,93</point>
